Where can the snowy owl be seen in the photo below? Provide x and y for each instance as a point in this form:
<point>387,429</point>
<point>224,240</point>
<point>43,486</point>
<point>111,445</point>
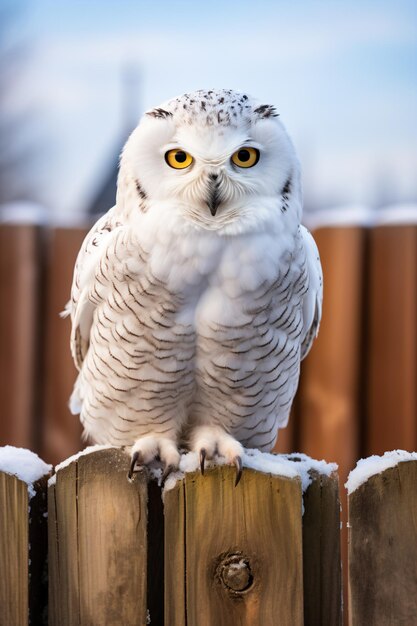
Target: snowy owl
<point>196,296</point>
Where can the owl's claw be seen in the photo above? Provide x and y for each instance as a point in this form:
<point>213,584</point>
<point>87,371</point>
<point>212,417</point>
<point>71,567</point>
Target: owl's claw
<point>167,471</point>
<point>239,469</point>
<point>203,454</point>
<point>136,458</point>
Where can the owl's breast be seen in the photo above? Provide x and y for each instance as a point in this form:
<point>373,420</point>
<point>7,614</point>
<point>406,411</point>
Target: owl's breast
<point>248,334</point>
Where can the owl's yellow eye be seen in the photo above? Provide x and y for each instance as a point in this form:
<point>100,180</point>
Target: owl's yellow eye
<point>178,159</point>
<point>246,157</point>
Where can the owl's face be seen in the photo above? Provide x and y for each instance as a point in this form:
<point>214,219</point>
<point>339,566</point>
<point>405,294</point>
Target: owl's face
<point>216,158</point>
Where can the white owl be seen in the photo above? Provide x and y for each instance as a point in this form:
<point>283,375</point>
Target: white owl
<point>197,295</point>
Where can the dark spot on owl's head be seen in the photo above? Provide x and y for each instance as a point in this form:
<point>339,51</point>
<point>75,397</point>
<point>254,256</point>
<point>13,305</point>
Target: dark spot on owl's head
<point>266,110</point>
<point>159,113</point>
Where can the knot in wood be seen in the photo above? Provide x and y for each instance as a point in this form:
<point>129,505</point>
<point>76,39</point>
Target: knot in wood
<point>235,573</point>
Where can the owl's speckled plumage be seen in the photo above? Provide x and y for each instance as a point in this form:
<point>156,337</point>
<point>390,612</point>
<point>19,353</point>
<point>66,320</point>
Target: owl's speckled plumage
<point>189,326</point>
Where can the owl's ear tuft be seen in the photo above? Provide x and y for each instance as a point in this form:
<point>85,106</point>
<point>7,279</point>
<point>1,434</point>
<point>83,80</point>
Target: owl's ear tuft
<point>159,113</point>
<point>266,110</point>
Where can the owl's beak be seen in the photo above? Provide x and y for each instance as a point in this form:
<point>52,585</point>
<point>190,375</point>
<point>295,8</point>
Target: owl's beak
<point>213,198</point>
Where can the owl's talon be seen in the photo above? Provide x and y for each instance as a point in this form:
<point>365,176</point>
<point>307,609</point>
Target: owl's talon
<point>167,471</point>
<point>136,456</point>
<point>203,454</point>
<point>239,469</point>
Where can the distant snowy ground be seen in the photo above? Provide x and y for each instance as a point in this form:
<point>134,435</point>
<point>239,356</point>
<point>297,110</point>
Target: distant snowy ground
<point>365,468</point>
<point>23,464</point>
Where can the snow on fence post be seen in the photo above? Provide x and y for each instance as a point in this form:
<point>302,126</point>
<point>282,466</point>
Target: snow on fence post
<point>23,537</point>
<point>383,540</point>
<point>97,541</point>
<point>235,554</point>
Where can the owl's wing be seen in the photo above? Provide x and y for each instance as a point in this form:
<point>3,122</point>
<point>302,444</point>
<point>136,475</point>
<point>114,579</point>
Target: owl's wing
<point>313,298</point>
<point>80,306</point>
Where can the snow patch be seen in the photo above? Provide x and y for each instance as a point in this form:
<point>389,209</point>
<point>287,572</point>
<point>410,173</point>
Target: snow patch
<point>365,468</point>
<point>287,465</point>
<point>75,457</point>
<point>23,464</point>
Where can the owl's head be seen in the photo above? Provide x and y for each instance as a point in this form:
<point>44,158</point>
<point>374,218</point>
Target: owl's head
<point>215,159</point>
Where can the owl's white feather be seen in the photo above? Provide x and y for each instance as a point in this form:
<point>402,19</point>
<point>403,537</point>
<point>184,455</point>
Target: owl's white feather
<point>196,296</point>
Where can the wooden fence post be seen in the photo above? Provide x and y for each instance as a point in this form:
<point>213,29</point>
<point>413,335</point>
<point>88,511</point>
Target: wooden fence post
<point>322,571</point>
<point>392,341</point>
<point>98,542</point>
<point>61,434</point>
<point>383,548</point>
<point>233,555</point>
<point>19,317</point>
<point>23,551</point>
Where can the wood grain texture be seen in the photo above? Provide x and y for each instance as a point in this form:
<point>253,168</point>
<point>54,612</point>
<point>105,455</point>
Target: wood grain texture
<point>14,551</point>
<point>383,549</point>
<point>392,343</point>
<point>239,548</point>
<point>23,553</point>
<point>321,552</point>
<point>61,434</point>
<point>18,333</point>
<point>98,544</point>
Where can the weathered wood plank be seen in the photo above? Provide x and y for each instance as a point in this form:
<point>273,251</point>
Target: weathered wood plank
<point>23,550</point>
<point>14,551</point>
<point>101,545</point>
<point>383,548</point>
<point>321,552</point>
<point>18,332</point>
<point>66,605</point>
<point>240,549</point>
<point>61,435</point>
<point>53,559</point>
<point>392,344</point>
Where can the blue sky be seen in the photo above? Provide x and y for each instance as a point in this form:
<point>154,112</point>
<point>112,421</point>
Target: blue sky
<point>342,74</point>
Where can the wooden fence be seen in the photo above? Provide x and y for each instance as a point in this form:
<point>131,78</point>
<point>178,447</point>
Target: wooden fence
<point>211,554</point>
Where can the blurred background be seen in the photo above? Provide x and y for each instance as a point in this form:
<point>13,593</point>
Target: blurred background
<point>75,78</point>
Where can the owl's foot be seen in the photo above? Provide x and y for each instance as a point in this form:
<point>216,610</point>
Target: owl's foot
<point>207,440</point>
<point>147,449</point>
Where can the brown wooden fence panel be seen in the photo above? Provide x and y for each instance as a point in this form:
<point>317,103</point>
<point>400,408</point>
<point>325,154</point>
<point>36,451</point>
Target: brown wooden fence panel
<point>383,549</point>
<point>14,551</point>
<point>19,273</point>
<point>61,430</point>
<point>322,574</point>
<point>392,328</point>
<point>23,550</point>
<point>329,396</point>
<point>234,554</point>
<point>98,543</point>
